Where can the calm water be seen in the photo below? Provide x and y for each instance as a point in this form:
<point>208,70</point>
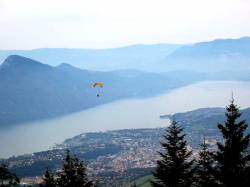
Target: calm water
<point>130,113</point>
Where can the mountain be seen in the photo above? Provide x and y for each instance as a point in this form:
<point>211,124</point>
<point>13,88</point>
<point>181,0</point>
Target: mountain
<point>212,56</point>
<point>203,122</point>
<point>216,48</point>
<point>217,55</point>
<point>130,57</point>
<point>31,90</point>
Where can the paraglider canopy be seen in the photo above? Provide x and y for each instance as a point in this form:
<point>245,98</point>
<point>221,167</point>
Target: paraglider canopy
<point>100,84</point>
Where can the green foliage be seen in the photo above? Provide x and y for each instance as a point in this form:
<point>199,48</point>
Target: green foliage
<point>144,181</point>
<point>36,168</point>
<point>175,169</point>
<point>49,179</point>
<point>7,179</point>
<point>232,157</point>
<point>133,185</point>
<point>205,168</point>
<point>73,173</point>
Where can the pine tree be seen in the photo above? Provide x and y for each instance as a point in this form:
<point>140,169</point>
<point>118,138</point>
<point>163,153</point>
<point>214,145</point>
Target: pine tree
<point>73,173</point>
<point>7,178</point>
<point>49,179</point>
<point>232,157</point>
<point>205,168</point>
<point>175,169</point>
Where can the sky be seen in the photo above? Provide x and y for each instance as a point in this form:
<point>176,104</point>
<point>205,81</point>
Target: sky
<point>29,24</point>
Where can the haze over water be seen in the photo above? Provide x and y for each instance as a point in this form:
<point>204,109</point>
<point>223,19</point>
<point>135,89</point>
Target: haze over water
<point>124,114</point>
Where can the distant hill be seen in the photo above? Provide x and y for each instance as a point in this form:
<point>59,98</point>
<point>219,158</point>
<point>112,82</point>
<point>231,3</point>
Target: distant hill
<point>212,56</point>
<point>203,122</point>
<point>31,90</point>
<point>142,57</point>
<point>217,55</point>
<point>216,48</point>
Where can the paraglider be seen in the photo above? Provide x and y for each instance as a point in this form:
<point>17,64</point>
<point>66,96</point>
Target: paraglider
<point>98,84</point>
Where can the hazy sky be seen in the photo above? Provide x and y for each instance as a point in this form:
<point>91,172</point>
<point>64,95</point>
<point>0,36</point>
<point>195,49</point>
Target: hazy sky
<point>26,24</point>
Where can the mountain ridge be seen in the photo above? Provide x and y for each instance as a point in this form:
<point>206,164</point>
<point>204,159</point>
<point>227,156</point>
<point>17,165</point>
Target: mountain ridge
<point>214,47</point>
<point>109,59</point>
<point>16,61</point>
<point>224,54</point>
<point>32,91</point>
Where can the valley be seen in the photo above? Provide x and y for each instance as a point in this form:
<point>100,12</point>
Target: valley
<point>117,157</point>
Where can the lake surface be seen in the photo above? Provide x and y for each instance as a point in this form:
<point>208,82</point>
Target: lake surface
<point>124,114</point>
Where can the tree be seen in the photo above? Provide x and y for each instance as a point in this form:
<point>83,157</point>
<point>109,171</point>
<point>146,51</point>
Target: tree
<point>232,157</point>
<point>73,173</point>
<point>49,179</point>
<point>205,168</point>
<point>7,179</point>
<point>175,169</point>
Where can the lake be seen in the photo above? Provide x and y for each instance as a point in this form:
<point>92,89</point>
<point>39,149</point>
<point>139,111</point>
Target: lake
<point>123,114</point>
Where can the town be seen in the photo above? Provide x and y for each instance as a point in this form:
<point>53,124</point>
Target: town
<point>109,155</point>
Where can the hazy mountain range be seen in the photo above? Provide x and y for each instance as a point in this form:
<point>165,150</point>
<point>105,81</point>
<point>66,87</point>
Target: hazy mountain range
<point>139,57</point>
<point>31,90</point>
<point>217,55</point>
<point>224,54</point>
